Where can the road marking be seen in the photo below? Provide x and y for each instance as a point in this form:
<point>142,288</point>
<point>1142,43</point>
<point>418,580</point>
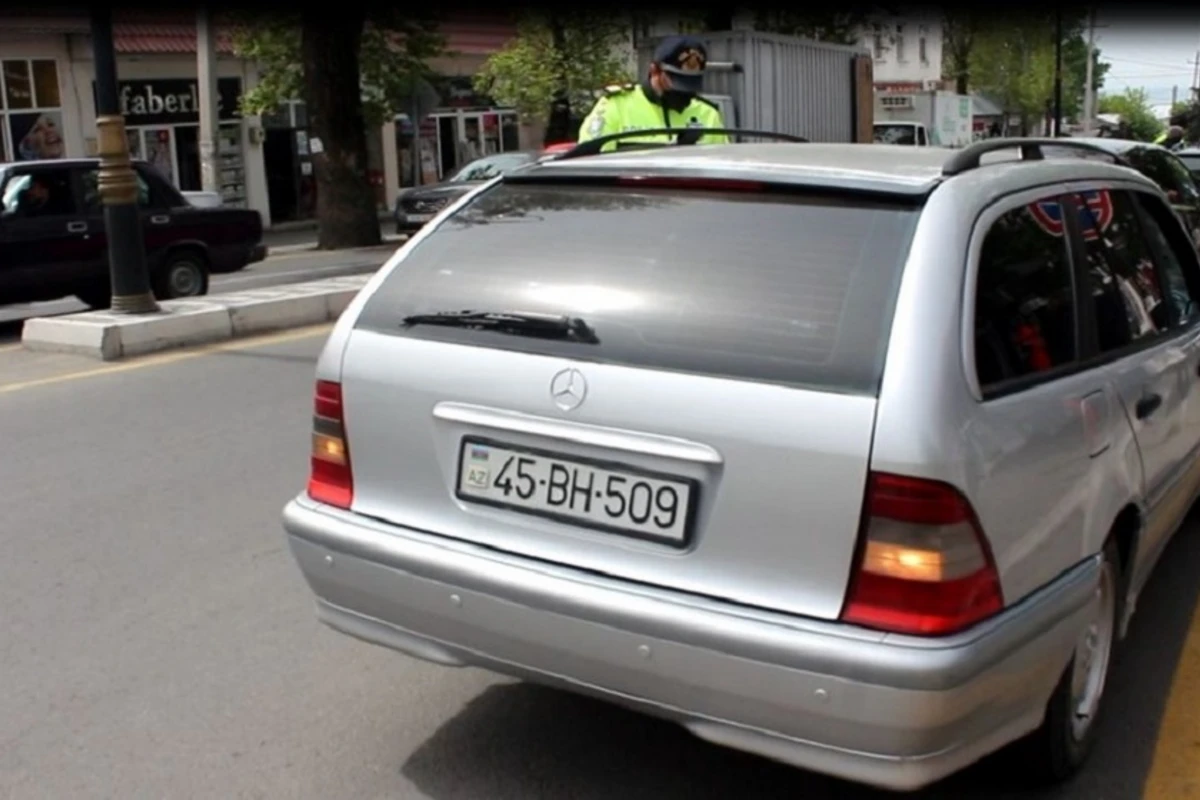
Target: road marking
<point>4,348</point>
<point>1175,771</point>
<point>174,357</point>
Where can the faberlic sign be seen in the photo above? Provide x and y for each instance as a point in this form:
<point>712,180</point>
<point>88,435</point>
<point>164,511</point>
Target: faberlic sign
<point>174,100</point>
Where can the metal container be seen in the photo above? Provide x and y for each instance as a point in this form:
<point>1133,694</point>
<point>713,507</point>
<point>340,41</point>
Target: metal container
<point>778,83</point>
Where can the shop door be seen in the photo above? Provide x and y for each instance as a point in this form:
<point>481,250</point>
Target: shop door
<point>187,157</point>
<point>279,160</point>
<point>158,148</point>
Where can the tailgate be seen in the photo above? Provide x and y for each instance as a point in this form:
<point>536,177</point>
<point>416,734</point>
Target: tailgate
<point>715,438</point>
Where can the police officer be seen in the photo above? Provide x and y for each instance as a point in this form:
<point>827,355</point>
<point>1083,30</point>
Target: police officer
<point>1171,138</point>
<point>669,97</point>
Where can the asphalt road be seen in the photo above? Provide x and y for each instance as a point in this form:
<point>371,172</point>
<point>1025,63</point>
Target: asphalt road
<point>157,641</point>
<point>290,266</point>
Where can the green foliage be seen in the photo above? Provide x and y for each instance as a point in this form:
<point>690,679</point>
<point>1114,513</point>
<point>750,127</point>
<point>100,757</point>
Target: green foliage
<point>1133,106</point>
<point>396,48</point>
<point>829,26</point>
<point>572,52</point>
<point>1014,64</point>
<point>972,45</point>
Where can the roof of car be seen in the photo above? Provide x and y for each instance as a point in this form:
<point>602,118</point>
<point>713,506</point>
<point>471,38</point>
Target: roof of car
<point>887,169</point>
<point>56,162</point>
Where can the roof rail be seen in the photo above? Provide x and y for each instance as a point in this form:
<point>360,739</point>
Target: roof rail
<point>592,146</point>
<point>968,158</point>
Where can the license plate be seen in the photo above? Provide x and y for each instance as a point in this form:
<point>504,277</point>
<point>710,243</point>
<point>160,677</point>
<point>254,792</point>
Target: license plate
<point>418,217</point>
<point>608,497</point>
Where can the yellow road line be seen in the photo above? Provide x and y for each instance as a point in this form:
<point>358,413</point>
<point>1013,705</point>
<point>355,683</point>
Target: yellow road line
<point>1175,771</point>
<point>173,357</point>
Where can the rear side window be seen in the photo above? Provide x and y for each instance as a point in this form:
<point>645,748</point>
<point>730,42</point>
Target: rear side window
<point>758,287</point>
<point>1126,292</point>
<point>1025,320</point>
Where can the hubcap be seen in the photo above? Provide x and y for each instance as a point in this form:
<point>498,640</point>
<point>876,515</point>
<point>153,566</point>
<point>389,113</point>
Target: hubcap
<point>1092,653</point>
<point>184,281</point>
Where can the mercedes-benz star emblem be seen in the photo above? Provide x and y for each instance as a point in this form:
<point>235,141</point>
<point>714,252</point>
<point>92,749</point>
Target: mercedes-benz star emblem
<point>568,389</point>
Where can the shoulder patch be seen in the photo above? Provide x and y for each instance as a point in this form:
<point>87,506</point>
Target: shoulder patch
<point>617,88</point>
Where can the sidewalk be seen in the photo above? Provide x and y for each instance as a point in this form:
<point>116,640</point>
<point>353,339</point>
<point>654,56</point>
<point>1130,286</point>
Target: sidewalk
<point>279,242</point>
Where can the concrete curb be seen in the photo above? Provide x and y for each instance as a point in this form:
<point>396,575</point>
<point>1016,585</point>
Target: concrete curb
<point>311,247</point>
<point>183,323</point>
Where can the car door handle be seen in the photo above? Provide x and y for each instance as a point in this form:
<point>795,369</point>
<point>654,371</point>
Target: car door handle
<point>1147,405</point>
<point>160,219</point>
<point>76,227</point>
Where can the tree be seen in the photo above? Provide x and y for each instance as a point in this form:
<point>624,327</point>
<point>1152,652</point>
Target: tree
<point>352,69</point>
<point>1074,66</point>
<point>551,71</point>
<point>831,26</point>
<point>960,29</point>
<point>1014,63</point>
<point>1133,106</point>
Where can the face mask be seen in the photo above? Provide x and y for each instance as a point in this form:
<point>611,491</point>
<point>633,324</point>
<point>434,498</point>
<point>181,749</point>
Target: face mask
<point>676,99</point>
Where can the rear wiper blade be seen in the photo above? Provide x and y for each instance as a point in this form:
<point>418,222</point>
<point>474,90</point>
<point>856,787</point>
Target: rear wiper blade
<point>547,326</point>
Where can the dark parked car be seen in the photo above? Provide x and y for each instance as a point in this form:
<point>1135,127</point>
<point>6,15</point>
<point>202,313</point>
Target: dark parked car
<point>417,205</point>
<point>53,242</point>
<point>1164,167</point>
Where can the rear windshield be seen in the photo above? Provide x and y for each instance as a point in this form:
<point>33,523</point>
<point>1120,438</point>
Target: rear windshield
<point>1191,161</point>
<point>780,289</point>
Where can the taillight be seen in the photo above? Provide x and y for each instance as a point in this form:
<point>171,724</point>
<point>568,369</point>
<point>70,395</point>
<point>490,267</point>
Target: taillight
<point>925,567</point>
<point>329,479</point>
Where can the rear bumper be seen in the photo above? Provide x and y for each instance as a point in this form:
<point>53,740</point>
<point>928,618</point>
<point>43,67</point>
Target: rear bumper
<point>895,712</point>
<point>257,253</point>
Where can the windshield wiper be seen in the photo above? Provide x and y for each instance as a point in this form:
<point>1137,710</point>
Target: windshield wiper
<point>546,326</point>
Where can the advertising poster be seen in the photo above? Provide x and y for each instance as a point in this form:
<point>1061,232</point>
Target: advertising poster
<point>158,151</point>
<point>36,135</point>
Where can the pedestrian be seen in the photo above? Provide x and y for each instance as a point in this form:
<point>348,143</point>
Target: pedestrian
<point>668,97</point>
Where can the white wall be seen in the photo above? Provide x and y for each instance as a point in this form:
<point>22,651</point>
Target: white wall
<point>898,56</point>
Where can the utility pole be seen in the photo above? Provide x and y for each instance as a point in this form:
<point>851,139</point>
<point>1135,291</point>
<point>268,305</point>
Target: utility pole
<point>117,181</point>
<point>206,75</point>
<point>1058,37</point>
<point>1089,87</point>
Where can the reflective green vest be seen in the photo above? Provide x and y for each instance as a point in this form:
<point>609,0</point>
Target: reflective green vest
<point>627,108</point>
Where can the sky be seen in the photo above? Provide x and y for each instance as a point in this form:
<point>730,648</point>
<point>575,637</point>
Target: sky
<point>1152,53</point>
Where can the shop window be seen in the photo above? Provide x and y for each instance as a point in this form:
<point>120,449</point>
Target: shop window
<point>1024,297</point>
<point>30,110</point>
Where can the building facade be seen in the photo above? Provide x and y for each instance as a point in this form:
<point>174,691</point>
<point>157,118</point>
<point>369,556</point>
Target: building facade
<point>47,110</point>
<point>907,52</point>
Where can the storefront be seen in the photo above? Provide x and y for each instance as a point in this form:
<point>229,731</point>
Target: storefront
<point>466,126</point>
<point>162,120</point>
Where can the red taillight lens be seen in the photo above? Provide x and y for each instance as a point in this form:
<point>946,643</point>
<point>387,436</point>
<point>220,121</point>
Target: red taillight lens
<point>925,566</point>
<point>329,479</point>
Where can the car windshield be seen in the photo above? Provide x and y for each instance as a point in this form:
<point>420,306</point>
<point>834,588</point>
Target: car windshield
<point>484,169</point>
<point>895,134</point>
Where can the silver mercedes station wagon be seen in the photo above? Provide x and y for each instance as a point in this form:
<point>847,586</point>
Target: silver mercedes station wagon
<point>852,456</point>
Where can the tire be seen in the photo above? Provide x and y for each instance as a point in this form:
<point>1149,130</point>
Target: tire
<point>1060,747</point>
<point>97,298</point>
<point>183,274</point>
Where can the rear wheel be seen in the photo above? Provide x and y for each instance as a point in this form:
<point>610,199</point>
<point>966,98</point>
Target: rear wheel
<point>1057,750</point>
<point>96,297</point>
<point>184,274</point>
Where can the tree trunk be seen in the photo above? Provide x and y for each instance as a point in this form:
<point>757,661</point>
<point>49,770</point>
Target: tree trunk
<point>330,43</point>
<point>558,124</point>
